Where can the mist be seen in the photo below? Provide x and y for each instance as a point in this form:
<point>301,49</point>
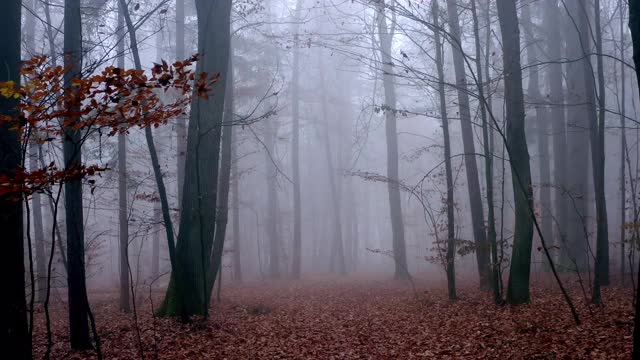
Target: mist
<point>204,179</point>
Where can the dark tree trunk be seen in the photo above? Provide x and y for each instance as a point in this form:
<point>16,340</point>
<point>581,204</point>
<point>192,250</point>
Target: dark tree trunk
<point>518,286</point>
<point>125,302</point>
<point>451,227</point>
<point>475,195</point>
<point>601,266</point>
<point>187,290</point>
<point>634,26</point>
<point>14,336</point>
<point>181,121</point>
<point>577,139</point>
<point>77,293</point>
<point>222,214</point>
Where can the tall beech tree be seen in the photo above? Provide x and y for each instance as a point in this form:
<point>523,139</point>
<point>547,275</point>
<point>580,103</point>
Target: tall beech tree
<point>14,332</point>
<point>187,292</point>
<point>518,286</point>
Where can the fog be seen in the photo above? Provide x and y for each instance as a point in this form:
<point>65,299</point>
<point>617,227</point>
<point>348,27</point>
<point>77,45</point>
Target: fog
<point>429,146</point>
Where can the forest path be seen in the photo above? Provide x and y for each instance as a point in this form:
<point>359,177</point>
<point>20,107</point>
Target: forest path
<point>359,318</point>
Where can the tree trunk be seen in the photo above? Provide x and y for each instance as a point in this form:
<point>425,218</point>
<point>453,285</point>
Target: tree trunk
<point>542,123</point>
<point>295,148</point>
<point>36,203</point>
<point>13,327</point>
<point>623,147</point>
<point>577,140</point>
<point>488,154</point>
<point>451,227</point>
<point>393,176</point>
<point>187,290</point>
<point>222,214</point>
<point>125,302</point>
<point>337,258</point>
<point>634,26</point>
<point>77,293</point>
<point>518,286</point>
<point>181,121</point>
<point>552,22</point>
<point>475,195</point>
<point>601,266</point>
<point>235,217</point>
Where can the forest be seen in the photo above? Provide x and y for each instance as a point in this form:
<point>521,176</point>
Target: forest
<point>320,179</point>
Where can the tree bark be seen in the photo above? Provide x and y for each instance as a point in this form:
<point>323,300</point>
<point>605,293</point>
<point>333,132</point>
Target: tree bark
<point>553,35</point>
<point>391,132</point>
<point>223,182</point>
<point>295,148</point>
<point>337,258</point>
<point>125,302</point>
<point>181,121</point>
<point>77,292</point>
<point>451,227</point>
<point>14,332</point>
<point>187,290</point>
<point>601,266</point>
<point>475,195</point>
<point>518,286</point>
<point>542,124</point>
<point>577,140</point>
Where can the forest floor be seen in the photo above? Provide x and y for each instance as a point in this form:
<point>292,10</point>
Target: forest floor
<point>357,318</point>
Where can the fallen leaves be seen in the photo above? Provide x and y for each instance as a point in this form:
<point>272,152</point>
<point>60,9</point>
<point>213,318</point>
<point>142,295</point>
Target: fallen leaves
<point>350,319</point>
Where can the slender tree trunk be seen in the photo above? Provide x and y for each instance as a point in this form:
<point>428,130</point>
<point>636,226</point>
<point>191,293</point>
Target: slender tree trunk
<point>155,252</point>
<point>577,140</point>
<point>271,132</point>
<point>623,146</point>
<point>451,227</point>
<point>295,148</point>
<point>518,286</point>
<point>36,203</point>
<point>337,260</point>
<point>235,217</point>
<point>553,36</point>
<point>181,121</point>
<point>634,26</point>
<point>125,302</point>
<point>13,327</point>
<point>393,176</point>
<point>475,195</point>
<point>488,163</point>
<point>535,97</point>
<point>77,293</point>
<point>601,268</point>
<point>223,182</point>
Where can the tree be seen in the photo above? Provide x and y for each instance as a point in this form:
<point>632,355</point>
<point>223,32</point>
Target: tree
<point>77,293</point>
<point>393,177</point>
<point>181,125</point>
<point>14,335</point>
<point>295,147</point>
<point>634,26</point>
<point>475,199</point>
<point>518,286</point>
<point>597,131</point>
<point>488,154</point>
<point>553,37</point>
<point>451,226</point>
<point>186,294</point>
<point>125,303</point>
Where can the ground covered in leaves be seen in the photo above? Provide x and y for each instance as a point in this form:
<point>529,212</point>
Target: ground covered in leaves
<point>357,318</point>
